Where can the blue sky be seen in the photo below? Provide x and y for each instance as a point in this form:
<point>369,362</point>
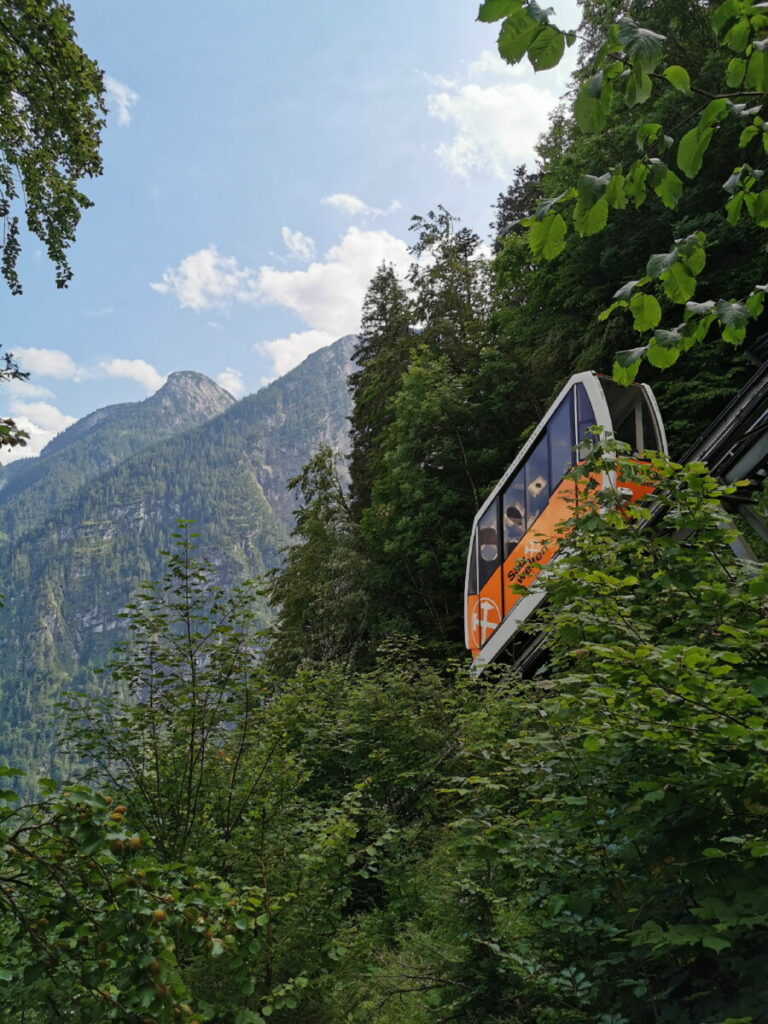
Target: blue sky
<point>261,159</point>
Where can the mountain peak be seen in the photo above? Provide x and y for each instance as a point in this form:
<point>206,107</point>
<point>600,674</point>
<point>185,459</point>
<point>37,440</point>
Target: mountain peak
<point>189,383</point>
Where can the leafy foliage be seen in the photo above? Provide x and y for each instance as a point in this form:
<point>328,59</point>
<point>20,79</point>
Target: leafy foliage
<point>10,434</point>
<point>51,116</point>
<point>628,62</point>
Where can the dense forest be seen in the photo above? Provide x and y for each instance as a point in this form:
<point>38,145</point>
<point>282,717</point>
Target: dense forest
<point>334,820</point>
<point>85,522</point>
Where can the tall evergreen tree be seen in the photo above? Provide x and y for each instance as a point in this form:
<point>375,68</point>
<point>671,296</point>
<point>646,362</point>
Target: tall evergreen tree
<point>320,593</point>
<point>381,356</point>
<point>426,490</point>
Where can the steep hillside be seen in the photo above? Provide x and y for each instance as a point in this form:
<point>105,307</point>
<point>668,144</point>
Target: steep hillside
<point>31,488</point>
<point>68,576</point>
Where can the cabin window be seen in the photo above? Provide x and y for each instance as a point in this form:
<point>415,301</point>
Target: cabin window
<point>537,480</point>
<point>651,437</point>
<point>626,431</point>
<point>585,414</point>
<point>472,577</point>
<point>560,432</point>
<point>513,512</point>
<point>488,545</point>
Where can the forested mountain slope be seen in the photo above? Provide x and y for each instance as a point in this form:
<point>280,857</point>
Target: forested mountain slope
<point>31,488</point>
<point>69,571</point>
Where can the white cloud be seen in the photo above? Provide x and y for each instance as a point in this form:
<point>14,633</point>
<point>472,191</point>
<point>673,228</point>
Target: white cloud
<point>49,362</point>
<point>289,352</point>
<point>299,245</point>
<point>23,390</point>
<point>328,295</point>
<point>123,99</point>
<point>42,421</point>
<point>207,280</point>
<point>134,369</point>
<point>232,381</point>
<point>496,116</point>
<point>354,207</point>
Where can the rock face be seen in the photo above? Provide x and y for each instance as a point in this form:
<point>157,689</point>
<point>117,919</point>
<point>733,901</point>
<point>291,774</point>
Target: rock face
<point>88,519</point>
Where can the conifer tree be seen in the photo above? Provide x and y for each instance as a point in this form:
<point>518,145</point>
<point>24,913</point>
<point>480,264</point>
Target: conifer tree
<point>382,355</point>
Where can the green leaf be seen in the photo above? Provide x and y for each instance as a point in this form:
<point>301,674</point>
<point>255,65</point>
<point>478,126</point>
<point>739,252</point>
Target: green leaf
<point>646,311</point>
<point>756,304</point>
<point>642,46</point>
<point>591,111</point>
<point>647,134</point>
<point>615,193</point>
<point>592,743</point>
<point>546,48</point>
<point>664,349</point>
<point>678,78</point>
<point>692,252</point>
<point>669,189</point>
<point>627,363</point>
<point>517,31</point>
<point>733,182</point>
<point>547,237</point>
<point>724,15</point>
<point>625,292</point>
<point>737,36</point>
<point>733,317</point>
<point>638,89</point>
<point>605,313</point>
<point>733,208</point>
<point>595,85</point>
<point>747,135</point>
<point>547,204</point>
<point>589,220</point>
<point>714,112</point>
<point>590,188</point>
<point>659,262</point>
<point>735,72</point>
<point>759,209</point>
<point>690,152</point>
<point>634,185</point>
<point>495,10</point>
<point>731,314</point>
<point>679,284</point>
<point>712,942</point>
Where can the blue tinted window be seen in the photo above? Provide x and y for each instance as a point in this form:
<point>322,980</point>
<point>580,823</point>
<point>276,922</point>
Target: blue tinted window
<point>561,441</point>
<point>585,416</point>
<point>472,573</point>
<point>488,545</point>
<point>537,480</point>
<point>513,513</point>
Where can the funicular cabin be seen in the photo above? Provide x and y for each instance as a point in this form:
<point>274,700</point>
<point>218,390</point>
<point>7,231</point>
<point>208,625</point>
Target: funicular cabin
<point>515,532</point>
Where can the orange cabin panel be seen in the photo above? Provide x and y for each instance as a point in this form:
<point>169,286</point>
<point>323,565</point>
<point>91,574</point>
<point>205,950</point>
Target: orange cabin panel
<point>486,610</point>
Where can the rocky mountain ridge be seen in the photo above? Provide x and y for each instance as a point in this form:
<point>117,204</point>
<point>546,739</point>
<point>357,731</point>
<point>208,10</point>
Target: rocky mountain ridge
<point>91,522</point>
